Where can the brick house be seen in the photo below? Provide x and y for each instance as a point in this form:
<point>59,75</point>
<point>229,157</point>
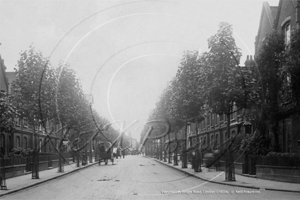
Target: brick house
<point>283,19</point>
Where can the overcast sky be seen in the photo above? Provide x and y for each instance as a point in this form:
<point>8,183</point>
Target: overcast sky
<point>124,52</point>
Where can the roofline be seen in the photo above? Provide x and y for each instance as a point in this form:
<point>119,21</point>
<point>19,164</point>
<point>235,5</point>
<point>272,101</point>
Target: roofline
<point>265,5</point>
<point>278,14</point>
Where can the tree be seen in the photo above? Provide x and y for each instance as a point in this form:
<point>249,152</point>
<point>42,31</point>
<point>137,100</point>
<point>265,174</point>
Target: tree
<point>291,69</point>
<point>33,92</point>
<point>270,60</point>
<point>7,113</point>
<point>187,99</point>
<point>222,81</point>
<point>34,88</point>
<point>72,107</point>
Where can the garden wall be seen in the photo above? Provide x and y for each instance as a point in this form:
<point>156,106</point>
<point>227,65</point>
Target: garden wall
<point>278,173</point>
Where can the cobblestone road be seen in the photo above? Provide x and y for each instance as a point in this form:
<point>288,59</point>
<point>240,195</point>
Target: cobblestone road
<point>136,177</point>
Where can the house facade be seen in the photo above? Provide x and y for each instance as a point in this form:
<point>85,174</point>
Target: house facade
<point>283,19</point>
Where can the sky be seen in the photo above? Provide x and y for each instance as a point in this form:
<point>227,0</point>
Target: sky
<point>124,51</point>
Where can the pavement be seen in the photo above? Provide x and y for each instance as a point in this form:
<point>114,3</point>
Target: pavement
<point>23,182</point>
<point>213,176</point>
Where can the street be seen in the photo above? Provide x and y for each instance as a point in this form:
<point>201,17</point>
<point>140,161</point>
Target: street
<point>137,177</point>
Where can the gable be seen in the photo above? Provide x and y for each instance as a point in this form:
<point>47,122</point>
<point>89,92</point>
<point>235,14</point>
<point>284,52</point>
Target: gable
<point>286,12</point>
<point>265,24</point>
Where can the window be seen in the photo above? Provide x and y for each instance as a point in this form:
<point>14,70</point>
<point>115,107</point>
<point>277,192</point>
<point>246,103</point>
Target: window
<point>212,141</point>
<point>232,134</point>
<point>41,128</point>
<point>25,123</point>
<point>248,129</point>
<point>224,136</point>
<point>193,141</point>
<point>188,129</point>
<point>201,141</point>
<point>17,121</point>
<point>286,29</point>
<point>208,119</point>
<point>18,141</point>
<point>221,117</point>
<point>45,144</point>
<point>40,145</point>
<point>10,143</point>
<point>289,139</point>
<point>25,143</point>
<point>204,141</point>
<point>217,140</point>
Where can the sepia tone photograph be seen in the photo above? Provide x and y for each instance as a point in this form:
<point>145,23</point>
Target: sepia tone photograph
<point>149,99</point>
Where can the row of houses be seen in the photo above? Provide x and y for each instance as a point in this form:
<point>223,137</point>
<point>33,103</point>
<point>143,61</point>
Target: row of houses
<point>212,129</point>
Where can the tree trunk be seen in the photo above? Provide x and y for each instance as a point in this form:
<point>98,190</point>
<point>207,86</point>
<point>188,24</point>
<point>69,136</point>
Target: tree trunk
<point>35,157</point>
<point>184,156</point>
<point>229,165</point>
<point>165,152</point>
<point>175,157</point>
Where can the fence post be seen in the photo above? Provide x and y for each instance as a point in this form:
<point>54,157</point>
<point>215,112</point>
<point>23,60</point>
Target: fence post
<point>2,174</point>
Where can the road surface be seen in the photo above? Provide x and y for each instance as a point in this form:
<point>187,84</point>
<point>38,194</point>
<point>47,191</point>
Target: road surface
<point>136,177</point>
